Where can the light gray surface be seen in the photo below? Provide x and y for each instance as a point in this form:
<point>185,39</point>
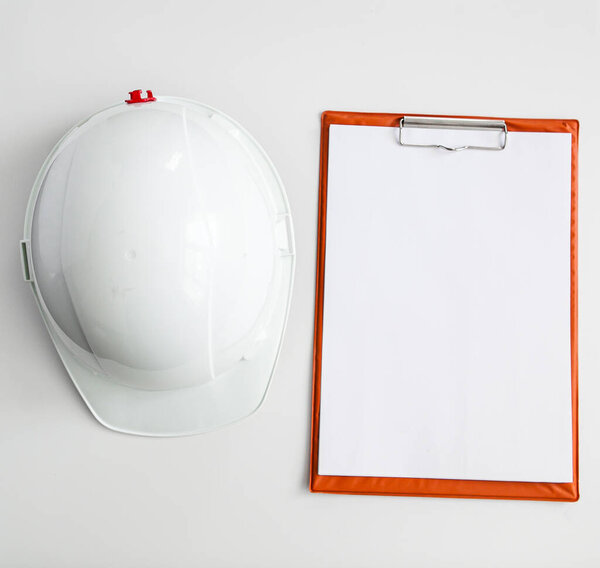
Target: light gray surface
<point>74,494</point>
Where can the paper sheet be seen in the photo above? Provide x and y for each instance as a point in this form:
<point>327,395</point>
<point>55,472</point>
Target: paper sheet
<point>446,326</point>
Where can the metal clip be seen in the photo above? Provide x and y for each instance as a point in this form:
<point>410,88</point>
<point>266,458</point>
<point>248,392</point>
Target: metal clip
<point>454,123</point>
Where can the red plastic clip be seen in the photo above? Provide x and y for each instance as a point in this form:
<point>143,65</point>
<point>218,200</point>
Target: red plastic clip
<point>136,97</point>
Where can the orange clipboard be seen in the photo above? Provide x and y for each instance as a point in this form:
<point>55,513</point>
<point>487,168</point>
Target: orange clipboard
<point>427,486</point>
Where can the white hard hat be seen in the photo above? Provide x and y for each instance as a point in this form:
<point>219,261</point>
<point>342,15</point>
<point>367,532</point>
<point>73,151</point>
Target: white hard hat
<point>159,247</point>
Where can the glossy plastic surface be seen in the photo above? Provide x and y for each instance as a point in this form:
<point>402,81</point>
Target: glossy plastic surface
<point>161,254</point>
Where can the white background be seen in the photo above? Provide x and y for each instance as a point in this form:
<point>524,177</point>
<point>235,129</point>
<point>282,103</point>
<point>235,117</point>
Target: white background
<point>73,494</point>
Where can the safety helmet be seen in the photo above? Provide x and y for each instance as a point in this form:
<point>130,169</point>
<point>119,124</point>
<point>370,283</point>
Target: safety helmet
<point>159,247</point>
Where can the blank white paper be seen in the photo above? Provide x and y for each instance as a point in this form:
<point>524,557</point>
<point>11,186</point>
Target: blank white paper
<point>446,325</point>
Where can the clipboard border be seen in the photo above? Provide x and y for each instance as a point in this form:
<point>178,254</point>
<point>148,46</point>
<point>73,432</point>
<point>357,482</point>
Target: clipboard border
<point>428,487</point>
